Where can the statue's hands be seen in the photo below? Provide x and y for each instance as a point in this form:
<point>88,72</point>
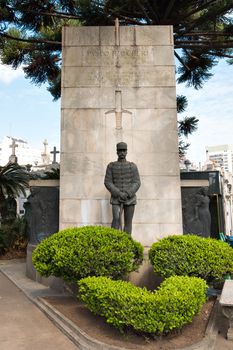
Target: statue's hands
<point>123,196</point>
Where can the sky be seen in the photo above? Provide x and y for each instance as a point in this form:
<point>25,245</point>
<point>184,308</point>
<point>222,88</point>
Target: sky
<point>213,106</point>
<point>29,113</point>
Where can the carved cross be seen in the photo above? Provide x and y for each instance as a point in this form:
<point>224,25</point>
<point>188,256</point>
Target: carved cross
<point>13,146</point>
<point>54,152</point>
<point>118,110</point>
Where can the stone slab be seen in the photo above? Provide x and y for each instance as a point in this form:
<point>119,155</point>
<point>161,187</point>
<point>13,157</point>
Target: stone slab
<point>44,183</point>
<point>104,97</point>
<point>138,35</point>
<point>75,36</point>
<point>148,233</point>
<point>154,35</point>
<point>158,211</point>
<point>80,187</point>
<point>105,56</point>
<point>85,211</point>
<point>52,281</point>
<point>123,77</point>
<point>226,298</point>
<point>76,164</point>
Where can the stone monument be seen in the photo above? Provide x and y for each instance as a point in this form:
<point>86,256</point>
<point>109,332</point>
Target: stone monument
<point>45,155</point>
<point>118,84</point>
<point>54,152</point>
<point>196,213</point>
<point>13,158</point>
<point>42,217</point>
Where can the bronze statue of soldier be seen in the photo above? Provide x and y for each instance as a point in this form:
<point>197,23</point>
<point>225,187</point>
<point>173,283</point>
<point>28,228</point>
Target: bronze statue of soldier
<point>122,181</point>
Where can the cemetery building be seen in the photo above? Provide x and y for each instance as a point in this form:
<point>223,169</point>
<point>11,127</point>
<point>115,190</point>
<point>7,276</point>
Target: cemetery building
<point>221,155</point>
<point>219,185</point>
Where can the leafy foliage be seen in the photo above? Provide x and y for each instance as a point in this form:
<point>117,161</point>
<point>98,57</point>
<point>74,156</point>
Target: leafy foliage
<point>186,126</point>
<point>192,256</point>
<point>196,69</point>
<point>123,305</point>
<point>75,253</point>
<point>53,174</point>
<point>13,181</point>
<point>182,103</point>
<point>30,32</point>
<point>13,235</point>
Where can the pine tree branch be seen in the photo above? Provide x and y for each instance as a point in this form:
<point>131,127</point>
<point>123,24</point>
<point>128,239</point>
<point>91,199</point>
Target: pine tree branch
<point>204,33</point>
<point>199,8</point>
<point>220,55</point>
<point>128,19</point>
<point>203,45</point>
<point>55,14</point>
<point>181,61</point>
<point>208,17</point>
<point>205,41</point>
<point>151,9</point>
<point>33,41</point>
<point>168,9</point>
<point>144,11</point>
<point>190,55</point>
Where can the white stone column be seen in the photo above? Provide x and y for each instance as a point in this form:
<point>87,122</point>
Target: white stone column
<point>133,74</point>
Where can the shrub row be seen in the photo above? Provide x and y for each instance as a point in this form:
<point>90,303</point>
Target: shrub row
<point>75,253</point>
<point>192,256</point>
<point>124,305</point>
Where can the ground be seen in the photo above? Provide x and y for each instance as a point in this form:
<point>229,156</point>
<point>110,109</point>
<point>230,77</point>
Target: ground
<point>13,254</point>
<point>95,327</point>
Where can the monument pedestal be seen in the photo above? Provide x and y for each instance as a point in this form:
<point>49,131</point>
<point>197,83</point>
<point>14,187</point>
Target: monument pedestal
<point>52,282</point>
<point>145,276</point>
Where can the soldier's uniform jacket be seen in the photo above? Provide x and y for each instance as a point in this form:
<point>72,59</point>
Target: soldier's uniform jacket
<point>122,177</point>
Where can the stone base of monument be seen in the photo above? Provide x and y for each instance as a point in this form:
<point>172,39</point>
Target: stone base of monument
<point>145,276</point>
<point>52,282</point>
<point>226,302</point>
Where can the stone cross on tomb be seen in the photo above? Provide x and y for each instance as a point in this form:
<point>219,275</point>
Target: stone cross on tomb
<point>13,146</point>
<point>118,110</point>
<point>45,143</point>
<point>13,158</point>
<point>45,155</point>
<point>54,152</point>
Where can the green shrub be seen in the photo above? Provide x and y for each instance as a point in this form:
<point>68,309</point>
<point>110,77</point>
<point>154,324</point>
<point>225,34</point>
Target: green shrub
<point>4,241</point>
<point>13,235</point>
<point>75,253</point>
<point>124,305</point>
<point>192,256</point>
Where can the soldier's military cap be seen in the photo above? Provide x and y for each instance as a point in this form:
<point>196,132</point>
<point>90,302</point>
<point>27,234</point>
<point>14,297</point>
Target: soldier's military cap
<point>121,145</point>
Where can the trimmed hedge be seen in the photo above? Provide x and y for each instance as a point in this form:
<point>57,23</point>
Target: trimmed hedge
<point>75,253</point>
<point>124,305</point>
<point>192,256</point>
